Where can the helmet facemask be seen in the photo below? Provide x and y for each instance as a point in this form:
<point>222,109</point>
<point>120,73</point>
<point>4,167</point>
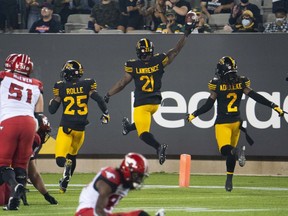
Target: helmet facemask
<point>71,71</point>
<point>144,49</point>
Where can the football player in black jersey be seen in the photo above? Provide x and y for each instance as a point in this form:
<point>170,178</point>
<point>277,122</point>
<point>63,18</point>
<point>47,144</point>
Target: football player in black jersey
<point>147,72</point>
<point>227,88</point>
<point>74,94</point>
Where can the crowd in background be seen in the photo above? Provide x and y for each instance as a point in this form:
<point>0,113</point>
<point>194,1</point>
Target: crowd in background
<point>160,16</point>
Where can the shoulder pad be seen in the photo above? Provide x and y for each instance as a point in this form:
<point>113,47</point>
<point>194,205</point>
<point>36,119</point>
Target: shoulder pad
<point>213,84</point>
<point>246,81</point>
<point>111,174</point>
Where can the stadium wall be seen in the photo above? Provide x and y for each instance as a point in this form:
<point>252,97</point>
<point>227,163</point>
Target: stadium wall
<point>261,57</point>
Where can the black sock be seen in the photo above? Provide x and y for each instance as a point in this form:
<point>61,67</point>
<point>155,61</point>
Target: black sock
<point>131,127</point>
<point>149,139</point>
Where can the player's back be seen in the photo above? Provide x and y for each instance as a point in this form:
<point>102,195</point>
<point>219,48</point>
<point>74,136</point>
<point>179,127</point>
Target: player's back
<point>228,98</point>
<point>19,95</point>
<point>74,97</point>
<point>147,76</point>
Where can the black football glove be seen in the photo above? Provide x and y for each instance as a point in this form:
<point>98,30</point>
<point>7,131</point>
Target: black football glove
<point>278,110</point>
<point>106,98</point>
<point>50,199</point>
<point>105,118</point>
<point>190,28</point>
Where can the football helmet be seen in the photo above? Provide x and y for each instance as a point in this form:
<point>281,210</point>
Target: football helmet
<point>144,48</point>
<point>44,129</point>
<point>72,70</point>
<point>225,66</point>
<point>22,65</point>
<point>134,168</point>
<point>9,61</point>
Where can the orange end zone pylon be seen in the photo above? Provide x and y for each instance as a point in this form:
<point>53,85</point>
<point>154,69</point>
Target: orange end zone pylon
<point>184,172</point>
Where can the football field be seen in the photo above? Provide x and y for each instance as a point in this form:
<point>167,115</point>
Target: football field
<point>206,196</point>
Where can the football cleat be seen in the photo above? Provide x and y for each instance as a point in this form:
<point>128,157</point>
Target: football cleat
<point>63,182</point>
<point>125,125</point>
<point>161,153</point>
<point>228,184</point>
<point>241,156</point>
<point>14,202</point>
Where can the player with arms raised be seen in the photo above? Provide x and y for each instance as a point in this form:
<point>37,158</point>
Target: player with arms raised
<point>147,72</point>
<point>227,89</point>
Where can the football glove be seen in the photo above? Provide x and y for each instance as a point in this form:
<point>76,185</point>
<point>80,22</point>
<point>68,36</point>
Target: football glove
<point>105,118</point>
<point>160,212</point>
<point>278,110</point>
<point>106,98</point>
<point>50,199</point>
<point>190,117</point>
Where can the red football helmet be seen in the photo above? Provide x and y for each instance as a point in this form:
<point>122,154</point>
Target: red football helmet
<point>23,65</point>
<point>9,61</point>
<point>134,168</point>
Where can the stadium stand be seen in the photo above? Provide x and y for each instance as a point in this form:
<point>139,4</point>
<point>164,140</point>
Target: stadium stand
<point>218,21</point>
<point>76,22</point>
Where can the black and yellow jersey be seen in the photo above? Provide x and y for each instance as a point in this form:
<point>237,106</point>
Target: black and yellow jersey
<point>228,98</point>
<point>74,98</point>
<point>147,78</point>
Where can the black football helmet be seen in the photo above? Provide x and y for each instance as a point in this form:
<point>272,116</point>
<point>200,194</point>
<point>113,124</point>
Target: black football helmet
<point>72,70</point>
<point>225,66</point>
<point>144,48</point>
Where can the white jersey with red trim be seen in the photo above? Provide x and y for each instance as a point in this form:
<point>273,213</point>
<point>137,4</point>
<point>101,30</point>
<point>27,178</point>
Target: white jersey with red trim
<point>18,95</point>
<point>89,195</point>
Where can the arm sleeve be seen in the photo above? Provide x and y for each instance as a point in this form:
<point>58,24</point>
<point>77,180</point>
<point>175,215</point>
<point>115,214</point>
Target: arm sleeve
<point>260,99</point>
<point>205,108</point>
<point>53,106</point>
<point>101,103</point>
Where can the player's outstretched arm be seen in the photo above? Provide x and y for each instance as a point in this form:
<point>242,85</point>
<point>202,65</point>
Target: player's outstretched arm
<point>118,86</point>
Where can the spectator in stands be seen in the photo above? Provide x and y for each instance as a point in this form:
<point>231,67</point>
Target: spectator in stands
<point>64,8</point>
<point>82,6</point>
<point>247,23</point>
<point>104,15</point>
<point>8,15</point>
<point>171,26</point>
<point>201,26</point>
<point>34,11</point>
<point>181,7</point>
<point>276,4</point>
<point>157,12</point>
<point>235,17</point>
<point>216,6</point>
<point>130,17</point>
<point>46,24</point>
<point>280,24</point>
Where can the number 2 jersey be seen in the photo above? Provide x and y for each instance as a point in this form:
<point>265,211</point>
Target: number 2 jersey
<point>228,98</point>
<point>18,95</point>
<point>74,97</point>
<point>89,194</point>
<point>147,78</point>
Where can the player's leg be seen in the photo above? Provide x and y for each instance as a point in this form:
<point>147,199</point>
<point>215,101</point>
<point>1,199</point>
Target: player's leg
<point>223,134</point>
<point>238,151</point>
<point>70,164</point>
<point>26,130</point>
<point>142,117</point>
